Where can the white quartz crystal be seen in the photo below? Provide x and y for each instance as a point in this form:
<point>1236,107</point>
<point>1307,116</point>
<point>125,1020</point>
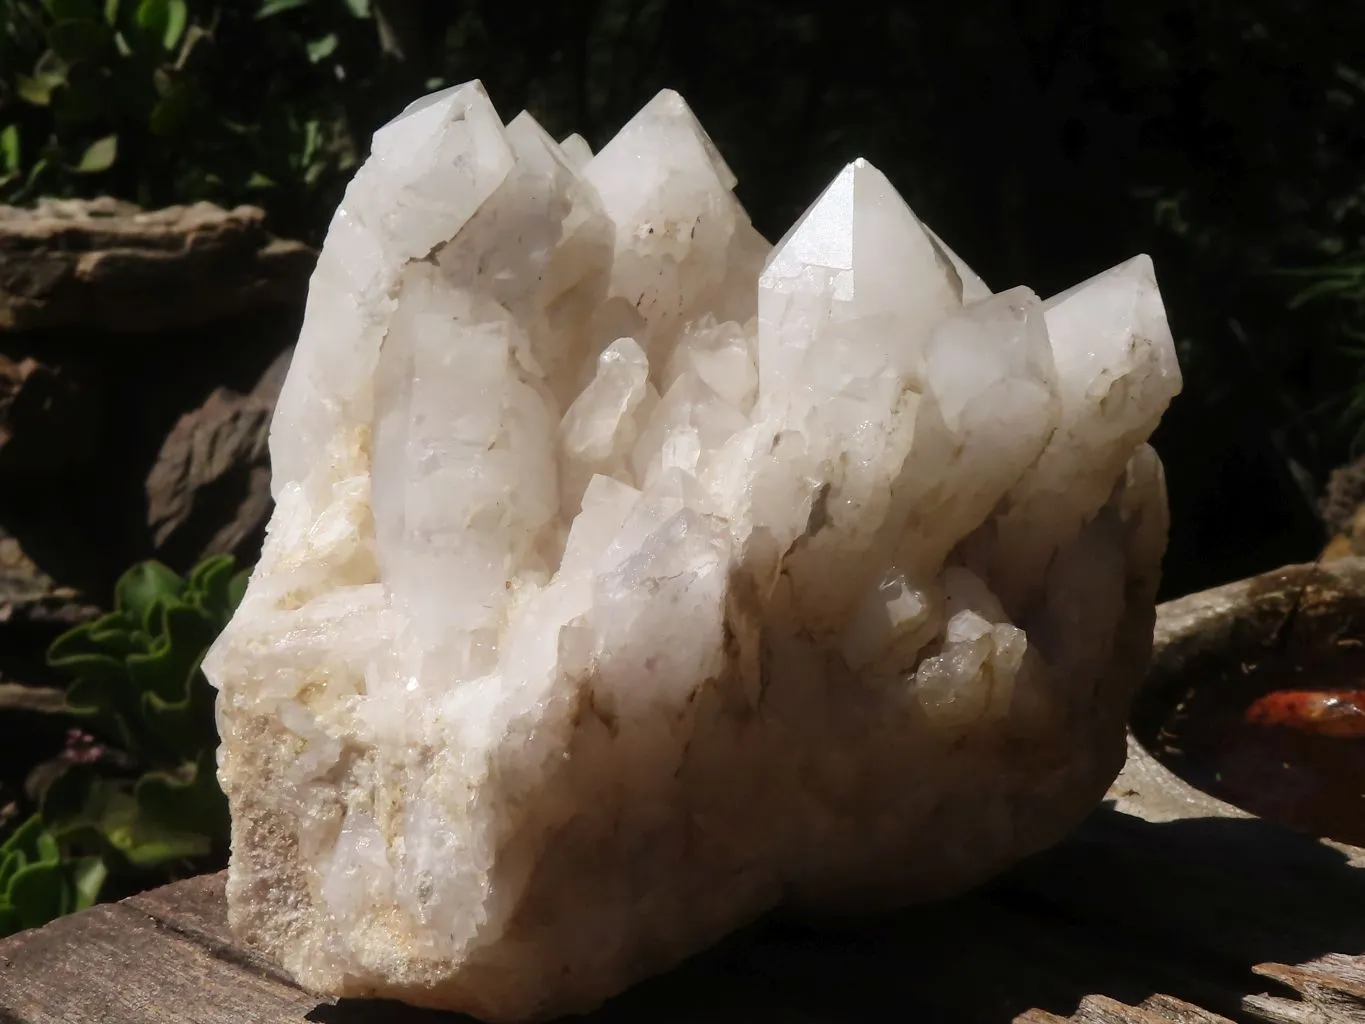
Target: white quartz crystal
<point>630,576</point>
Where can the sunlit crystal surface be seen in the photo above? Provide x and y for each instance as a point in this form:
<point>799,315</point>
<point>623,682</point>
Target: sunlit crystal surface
<point>629,575</point>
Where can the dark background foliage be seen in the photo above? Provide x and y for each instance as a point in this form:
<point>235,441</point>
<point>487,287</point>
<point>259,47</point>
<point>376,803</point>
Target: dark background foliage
<point>1046,139</point>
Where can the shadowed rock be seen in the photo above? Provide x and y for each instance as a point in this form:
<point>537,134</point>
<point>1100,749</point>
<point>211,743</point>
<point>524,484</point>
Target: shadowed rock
<point>113,267</point>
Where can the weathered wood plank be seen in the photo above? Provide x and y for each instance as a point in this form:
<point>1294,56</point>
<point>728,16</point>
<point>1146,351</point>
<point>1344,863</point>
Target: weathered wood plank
<point>197,909</point>
<point>1178,1011</point>
<point>113,965</point>
<point>1335,987</point>
<point>1055,942</point>
<point>1270,1009</point>
<point>1104,1010</point>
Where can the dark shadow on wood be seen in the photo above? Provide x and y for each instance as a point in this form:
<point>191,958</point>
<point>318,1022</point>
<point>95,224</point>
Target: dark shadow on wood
<point>378,1011</point>
<point>1127,909</point>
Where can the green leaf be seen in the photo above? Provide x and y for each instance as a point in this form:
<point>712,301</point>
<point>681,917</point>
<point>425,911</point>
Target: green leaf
<point>48,851</point>
<point>88,875</point>
<point>111,12</point>
<point>144,841</point>
<point>24,839</point>
<point>359,8</point>
<point>36,173</point>
<point>110,635</point>
<point>87,665</point>
<point>78,39</point>
<point>37,894</point>
<point>159,671</point>
<point>177,16</point>
<point>99,156</point>
<point>237,588</point>
<point>115,621</point>
<point>119,643</point>
<point>143,588</point>
<point>65,804</point>
<point>189,799</point>
<point>9,864</point>
<point>312,140</point>
<point>154,17</point>
<point>321,49</point>
<point>165,670</point>
<point>202,575</point>
<point>182,727</point>
<point>105,709</point>
<point>84,808</point>
<point>270,8</point>
<point>87,695</point>
<point>9,147</point>
<point>33,878</point>
<point>211,583</point>
<point>49,72</point>
<point>36,90</point>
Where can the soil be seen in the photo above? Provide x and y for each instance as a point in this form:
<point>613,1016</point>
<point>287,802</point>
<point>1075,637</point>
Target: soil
<point>1312,783</point>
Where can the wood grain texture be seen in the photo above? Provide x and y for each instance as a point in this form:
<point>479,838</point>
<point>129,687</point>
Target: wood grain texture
<point>113,964</point>
<point>1131,922</point>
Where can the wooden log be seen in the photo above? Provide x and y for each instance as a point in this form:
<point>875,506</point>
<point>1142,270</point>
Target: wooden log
<point>113,964</point>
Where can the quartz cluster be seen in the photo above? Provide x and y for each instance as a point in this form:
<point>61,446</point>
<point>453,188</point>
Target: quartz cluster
<point>630,576</point>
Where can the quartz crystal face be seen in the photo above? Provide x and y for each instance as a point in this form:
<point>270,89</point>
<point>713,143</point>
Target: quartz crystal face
<point>629,575</point>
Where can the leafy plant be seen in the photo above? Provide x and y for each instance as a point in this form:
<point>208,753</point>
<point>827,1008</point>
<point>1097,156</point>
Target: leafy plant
<point>138,687</point>
<point>137,668</point>
<point>38,883</point>
<point>164,101</point>
<point>141,799</point>
<point>102,66</point>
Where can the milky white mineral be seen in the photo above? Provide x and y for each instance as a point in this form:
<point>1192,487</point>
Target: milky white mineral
<point>630,576</point>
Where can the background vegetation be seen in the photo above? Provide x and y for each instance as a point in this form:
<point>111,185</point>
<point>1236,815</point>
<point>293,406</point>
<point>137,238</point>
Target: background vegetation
<point>1046,139</point>
<point>133,799</point>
